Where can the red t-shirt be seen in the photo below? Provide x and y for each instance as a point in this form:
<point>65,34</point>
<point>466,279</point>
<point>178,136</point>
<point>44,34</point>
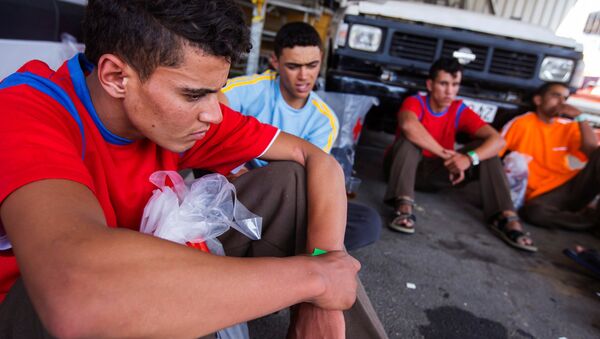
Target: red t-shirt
<point>41,139</point>
<point>442,126</point>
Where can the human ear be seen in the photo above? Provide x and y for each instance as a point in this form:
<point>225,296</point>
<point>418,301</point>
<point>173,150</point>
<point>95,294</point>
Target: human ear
<point>274,62</point>
<point>113,74</point>
<point>537,100</point>
<point>429,85</point>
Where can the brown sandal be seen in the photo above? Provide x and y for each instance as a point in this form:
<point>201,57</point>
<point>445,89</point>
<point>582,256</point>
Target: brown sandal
<point>400,222</point>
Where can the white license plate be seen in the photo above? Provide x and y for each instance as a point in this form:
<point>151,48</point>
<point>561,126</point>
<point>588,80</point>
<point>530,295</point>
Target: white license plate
<point>487,112</point>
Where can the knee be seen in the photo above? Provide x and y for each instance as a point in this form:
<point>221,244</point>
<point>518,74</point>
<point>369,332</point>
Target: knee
<point>532,213</point>
<point>405,145</point>
<point>595,157</point>
<point>494,161</point>
<point>363,226</point>
<point>285,173</point>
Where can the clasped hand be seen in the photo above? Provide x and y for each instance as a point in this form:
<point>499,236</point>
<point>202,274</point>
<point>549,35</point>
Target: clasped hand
<point>457,164</point>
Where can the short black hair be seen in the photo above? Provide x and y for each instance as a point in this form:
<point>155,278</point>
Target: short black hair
<point>546,87</point>
<point>296,34</point>
<point>448,65</point>
<point>148,34</point>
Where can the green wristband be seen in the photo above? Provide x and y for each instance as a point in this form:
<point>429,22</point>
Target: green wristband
<point>474,157</point>
<point>318,251</point>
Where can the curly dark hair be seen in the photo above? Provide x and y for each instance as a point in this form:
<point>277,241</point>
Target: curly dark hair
<point>296,34</point>
<point>148,34</point>
<point>448,65</point>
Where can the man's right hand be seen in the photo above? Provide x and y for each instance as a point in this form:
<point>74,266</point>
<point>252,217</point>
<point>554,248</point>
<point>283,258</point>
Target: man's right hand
<point>566,110</point>
<point>338,271</point>
<point>446,154</point>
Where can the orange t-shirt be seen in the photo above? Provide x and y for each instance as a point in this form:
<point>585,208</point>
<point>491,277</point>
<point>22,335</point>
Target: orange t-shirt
<point>548,144</point>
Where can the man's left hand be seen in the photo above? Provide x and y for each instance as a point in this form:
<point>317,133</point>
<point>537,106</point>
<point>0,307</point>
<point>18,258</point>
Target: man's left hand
<point>456,178</point>
<point>458,163</point>
<point>309,321</point>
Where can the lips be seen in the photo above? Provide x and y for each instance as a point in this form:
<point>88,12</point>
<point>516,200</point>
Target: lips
<point>199,134</point>
<point>303,88</point>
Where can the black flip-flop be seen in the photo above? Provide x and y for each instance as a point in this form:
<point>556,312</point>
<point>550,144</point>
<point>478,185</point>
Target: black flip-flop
<point>511,237</point>
<point>588,258</point>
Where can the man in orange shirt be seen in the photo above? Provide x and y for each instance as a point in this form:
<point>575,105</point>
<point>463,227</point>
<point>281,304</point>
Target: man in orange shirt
<point>557,194</point>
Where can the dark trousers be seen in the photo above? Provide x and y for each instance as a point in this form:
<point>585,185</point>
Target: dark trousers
<point>363,226</point>
<point>408,170</point>
<point>281,203</point>
<point>564,206</point>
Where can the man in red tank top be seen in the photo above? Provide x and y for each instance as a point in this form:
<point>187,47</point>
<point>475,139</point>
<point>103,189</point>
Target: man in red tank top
<point>423,155</point>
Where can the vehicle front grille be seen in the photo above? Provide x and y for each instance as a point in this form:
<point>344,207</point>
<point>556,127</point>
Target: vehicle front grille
<point>413,47</point>
<point>514,64</point>
<point>449,47</point>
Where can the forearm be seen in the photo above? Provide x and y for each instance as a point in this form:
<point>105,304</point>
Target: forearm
<point>327,203</point>
<point>326,193</point>
<point>114,292</point>
<point>588,138</point>
<point>327,211</point>
<point>417,134</point>
<point>492,144</point>
<point>489,148</point>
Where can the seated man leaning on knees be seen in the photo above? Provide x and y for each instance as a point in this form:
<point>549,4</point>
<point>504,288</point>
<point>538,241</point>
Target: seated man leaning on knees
<point>557,194</point>
<point>74,182</point>
<point>423,155</point>
<point>285,99</point>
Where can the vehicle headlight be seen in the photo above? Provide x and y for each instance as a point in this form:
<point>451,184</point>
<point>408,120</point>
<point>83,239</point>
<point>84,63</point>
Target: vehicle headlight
<point>578,76</point>
<point>556,69</point>
<point>364,38</point>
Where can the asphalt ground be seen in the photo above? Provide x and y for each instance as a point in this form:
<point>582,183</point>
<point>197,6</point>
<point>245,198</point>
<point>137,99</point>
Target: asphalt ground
<point>454,278</point>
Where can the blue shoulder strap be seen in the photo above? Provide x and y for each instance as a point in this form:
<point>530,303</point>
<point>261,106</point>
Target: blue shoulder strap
<point>51,89</point>
<point>461,108</point>
<point>423,106</point>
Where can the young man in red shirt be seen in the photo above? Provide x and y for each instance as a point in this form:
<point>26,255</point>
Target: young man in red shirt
<point>77,148</point>
<point>423,155</point>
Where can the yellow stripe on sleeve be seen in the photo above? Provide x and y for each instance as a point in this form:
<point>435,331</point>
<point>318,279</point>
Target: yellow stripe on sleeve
<point>321,107</point>
<point>248,80</point>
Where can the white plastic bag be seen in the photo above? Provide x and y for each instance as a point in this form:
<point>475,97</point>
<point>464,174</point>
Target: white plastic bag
<point>516,167</point>
<point>196,213</point>
<point>350,110</point>
<point>203,210</point>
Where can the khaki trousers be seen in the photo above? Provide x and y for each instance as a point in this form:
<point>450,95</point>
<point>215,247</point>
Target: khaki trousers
<point>408,170</point>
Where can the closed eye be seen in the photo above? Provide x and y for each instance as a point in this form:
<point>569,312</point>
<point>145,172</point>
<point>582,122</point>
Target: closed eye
<point>194,97</point>
<point>191,94</point>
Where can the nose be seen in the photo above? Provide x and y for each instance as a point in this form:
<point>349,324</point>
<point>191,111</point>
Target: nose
<point>211,113</point>
<point>302,73</point>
